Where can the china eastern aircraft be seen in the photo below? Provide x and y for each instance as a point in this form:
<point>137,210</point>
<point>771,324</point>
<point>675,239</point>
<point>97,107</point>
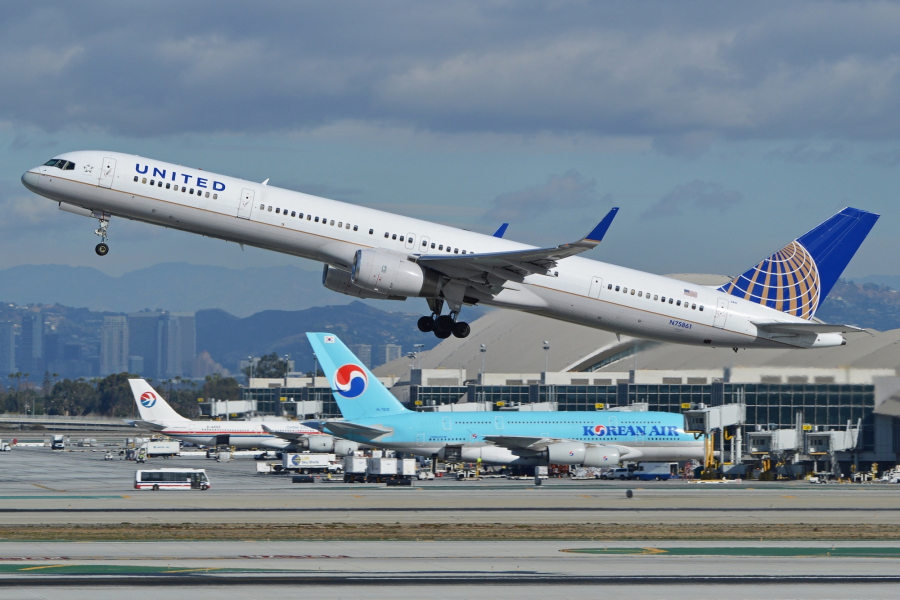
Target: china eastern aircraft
<point>369,253</point>
<point>159,415</point>
<point>373,416</point>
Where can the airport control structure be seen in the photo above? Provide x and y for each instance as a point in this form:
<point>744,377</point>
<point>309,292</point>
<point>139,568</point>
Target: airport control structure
<point>776,412</point>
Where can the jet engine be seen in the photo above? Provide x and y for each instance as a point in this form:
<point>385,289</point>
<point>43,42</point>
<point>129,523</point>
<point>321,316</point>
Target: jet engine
<point>339,281</point>
<point>586,455</point>
<point>387,274</point>
<point>326,443</point>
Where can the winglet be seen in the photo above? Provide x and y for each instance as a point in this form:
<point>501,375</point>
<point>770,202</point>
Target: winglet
<point>501,230</point>
<point>596,235</point>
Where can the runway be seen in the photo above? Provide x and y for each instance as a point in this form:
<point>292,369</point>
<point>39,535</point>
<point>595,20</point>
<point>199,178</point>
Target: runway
<point>449,569</point>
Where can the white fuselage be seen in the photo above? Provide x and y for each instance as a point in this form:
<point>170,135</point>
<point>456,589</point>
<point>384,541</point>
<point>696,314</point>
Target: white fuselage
<point>233,433</point>
<point>583,291</point>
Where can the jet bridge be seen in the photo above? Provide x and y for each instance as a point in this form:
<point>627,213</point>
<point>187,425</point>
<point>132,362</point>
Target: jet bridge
<point>704,420</point>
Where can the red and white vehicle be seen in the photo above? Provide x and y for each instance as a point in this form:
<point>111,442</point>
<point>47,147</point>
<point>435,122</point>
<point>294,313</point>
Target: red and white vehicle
<point>171,479</point>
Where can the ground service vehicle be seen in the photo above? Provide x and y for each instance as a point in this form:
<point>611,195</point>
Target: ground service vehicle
<point>171,479</point>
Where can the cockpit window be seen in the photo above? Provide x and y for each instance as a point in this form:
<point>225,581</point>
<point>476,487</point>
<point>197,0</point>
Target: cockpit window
<point>59,163</point>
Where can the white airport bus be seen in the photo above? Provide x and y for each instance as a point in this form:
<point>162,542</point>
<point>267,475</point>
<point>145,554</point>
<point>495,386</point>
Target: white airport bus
<point>171,479</point>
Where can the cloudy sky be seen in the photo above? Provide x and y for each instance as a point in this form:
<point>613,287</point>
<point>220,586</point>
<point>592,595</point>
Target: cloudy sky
<point>722,130</point>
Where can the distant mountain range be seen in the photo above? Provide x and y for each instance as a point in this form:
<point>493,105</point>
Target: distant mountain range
<point>871,305</point>
<point>169,286</point>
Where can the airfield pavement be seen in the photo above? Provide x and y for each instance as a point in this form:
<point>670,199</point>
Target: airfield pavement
<point>71,524</point>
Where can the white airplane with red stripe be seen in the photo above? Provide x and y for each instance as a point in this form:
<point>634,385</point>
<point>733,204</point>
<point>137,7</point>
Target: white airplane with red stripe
<point>157,414</point>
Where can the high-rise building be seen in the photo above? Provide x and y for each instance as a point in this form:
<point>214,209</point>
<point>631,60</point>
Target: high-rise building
<point>114,346</point>
<point>146,338</point>
<point>7,349</point>
<point>31,344</point>
<point>363,352</point>
<point>167,343</point>
<point>389,352</point>
<point>181,344</point>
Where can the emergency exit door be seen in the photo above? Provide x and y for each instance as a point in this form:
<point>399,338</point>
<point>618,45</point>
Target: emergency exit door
<point>245,206</point>
<point>596,286</point>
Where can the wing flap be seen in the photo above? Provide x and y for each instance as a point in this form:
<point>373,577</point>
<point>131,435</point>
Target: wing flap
<point>806,328</point>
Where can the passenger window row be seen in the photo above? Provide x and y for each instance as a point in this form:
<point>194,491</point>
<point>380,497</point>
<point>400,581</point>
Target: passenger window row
<point>294,213</point>
<point>65,165</point>
<point>174,188</point>
<point>640,294</point>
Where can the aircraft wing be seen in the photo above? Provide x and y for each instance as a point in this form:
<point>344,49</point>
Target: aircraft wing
<point>345,428</point>
<point>801,328</point>
<point>521,442</point>
<point>516,264</point>
<point>149,425</point>
<point>291,436</point>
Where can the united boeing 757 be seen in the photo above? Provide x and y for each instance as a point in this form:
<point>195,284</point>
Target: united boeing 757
<point>369,253</point>
<point>372,415</point>
<point>157,414</point>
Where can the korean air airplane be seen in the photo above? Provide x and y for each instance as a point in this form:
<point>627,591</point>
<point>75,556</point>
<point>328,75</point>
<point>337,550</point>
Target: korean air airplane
<point>157,414</point>
<point>369,253</point>
<point>372,415</point>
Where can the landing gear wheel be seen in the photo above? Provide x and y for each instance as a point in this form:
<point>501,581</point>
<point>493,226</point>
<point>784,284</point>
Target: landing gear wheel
<point>461,329</point>
<point>425,324</point>
<point>443,325</point>
<point>101,249</point>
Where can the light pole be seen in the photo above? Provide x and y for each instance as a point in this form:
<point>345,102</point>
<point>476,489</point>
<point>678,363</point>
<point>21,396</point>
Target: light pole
<point>315,368</point>
<point>418,348</point>
<point>546,355</point>
<point>483,349</point>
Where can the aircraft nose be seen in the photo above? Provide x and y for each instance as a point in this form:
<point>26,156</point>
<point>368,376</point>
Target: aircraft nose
<point>30,179</point>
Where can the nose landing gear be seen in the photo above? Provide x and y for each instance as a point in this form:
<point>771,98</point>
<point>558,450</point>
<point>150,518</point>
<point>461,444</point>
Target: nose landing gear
<point>102,248</point>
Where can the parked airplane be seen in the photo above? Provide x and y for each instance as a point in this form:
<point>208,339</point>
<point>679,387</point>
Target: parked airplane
<point>157,414</point>
<point>374,254</point>
<point>372,415</point>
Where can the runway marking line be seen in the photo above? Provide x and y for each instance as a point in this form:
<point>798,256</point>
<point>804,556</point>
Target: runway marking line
<point>44,487</point>
<point>787,552</point>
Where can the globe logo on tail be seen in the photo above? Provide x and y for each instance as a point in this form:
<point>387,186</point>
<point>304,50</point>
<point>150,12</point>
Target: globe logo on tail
<point>350,381</point>
<point>148,399</point>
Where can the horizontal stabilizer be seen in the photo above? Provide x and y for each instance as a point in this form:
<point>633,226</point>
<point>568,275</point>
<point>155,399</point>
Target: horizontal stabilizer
<point>801,328</point>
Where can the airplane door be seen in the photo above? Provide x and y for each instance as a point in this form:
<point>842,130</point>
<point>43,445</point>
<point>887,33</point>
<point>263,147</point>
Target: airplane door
<point>410,241</point>
<point>445,421</point>
<point>721,313</point>
<point>498,422</point>
<point>596,286</point>
<point>107,171</point>
<point>245,205</point>
<point>420,439</point>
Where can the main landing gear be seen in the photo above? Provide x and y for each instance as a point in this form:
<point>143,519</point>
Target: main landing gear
<point>102,248</point>
<point>443,326</point>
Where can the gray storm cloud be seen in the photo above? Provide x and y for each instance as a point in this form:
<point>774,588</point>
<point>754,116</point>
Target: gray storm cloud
<point>683,74</point>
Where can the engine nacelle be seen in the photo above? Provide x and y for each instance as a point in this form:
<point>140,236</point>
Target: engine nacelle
<point>566,453</point>
<point>338,281</point>
<point>576,453</point>
<point>387,274</point>
<point>601,456</point>
<point>320,443</point>
<point>345,448</point>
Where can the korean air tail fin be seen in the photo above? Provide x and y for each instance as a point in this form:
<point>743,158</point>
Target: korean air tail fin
<point>358,393</point>
<point>797,278</point>
<point>151,405</point>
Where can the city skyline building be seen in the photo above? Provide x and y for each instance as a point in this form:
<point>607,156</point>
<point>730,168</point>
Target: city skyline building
<point>114,346</point>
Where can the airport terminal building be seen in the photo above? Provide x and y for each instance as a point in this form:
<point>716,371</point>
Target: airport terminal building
<point>516,361</point>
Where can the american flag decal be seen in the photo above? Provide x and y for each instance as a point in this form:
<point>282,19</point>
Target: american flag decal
<point>690,293</point>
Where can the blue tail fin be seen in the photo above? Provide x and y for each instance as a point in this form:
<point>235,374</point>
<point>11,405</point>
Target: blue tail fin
<point>797,278</point>
<point>357,392</point>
